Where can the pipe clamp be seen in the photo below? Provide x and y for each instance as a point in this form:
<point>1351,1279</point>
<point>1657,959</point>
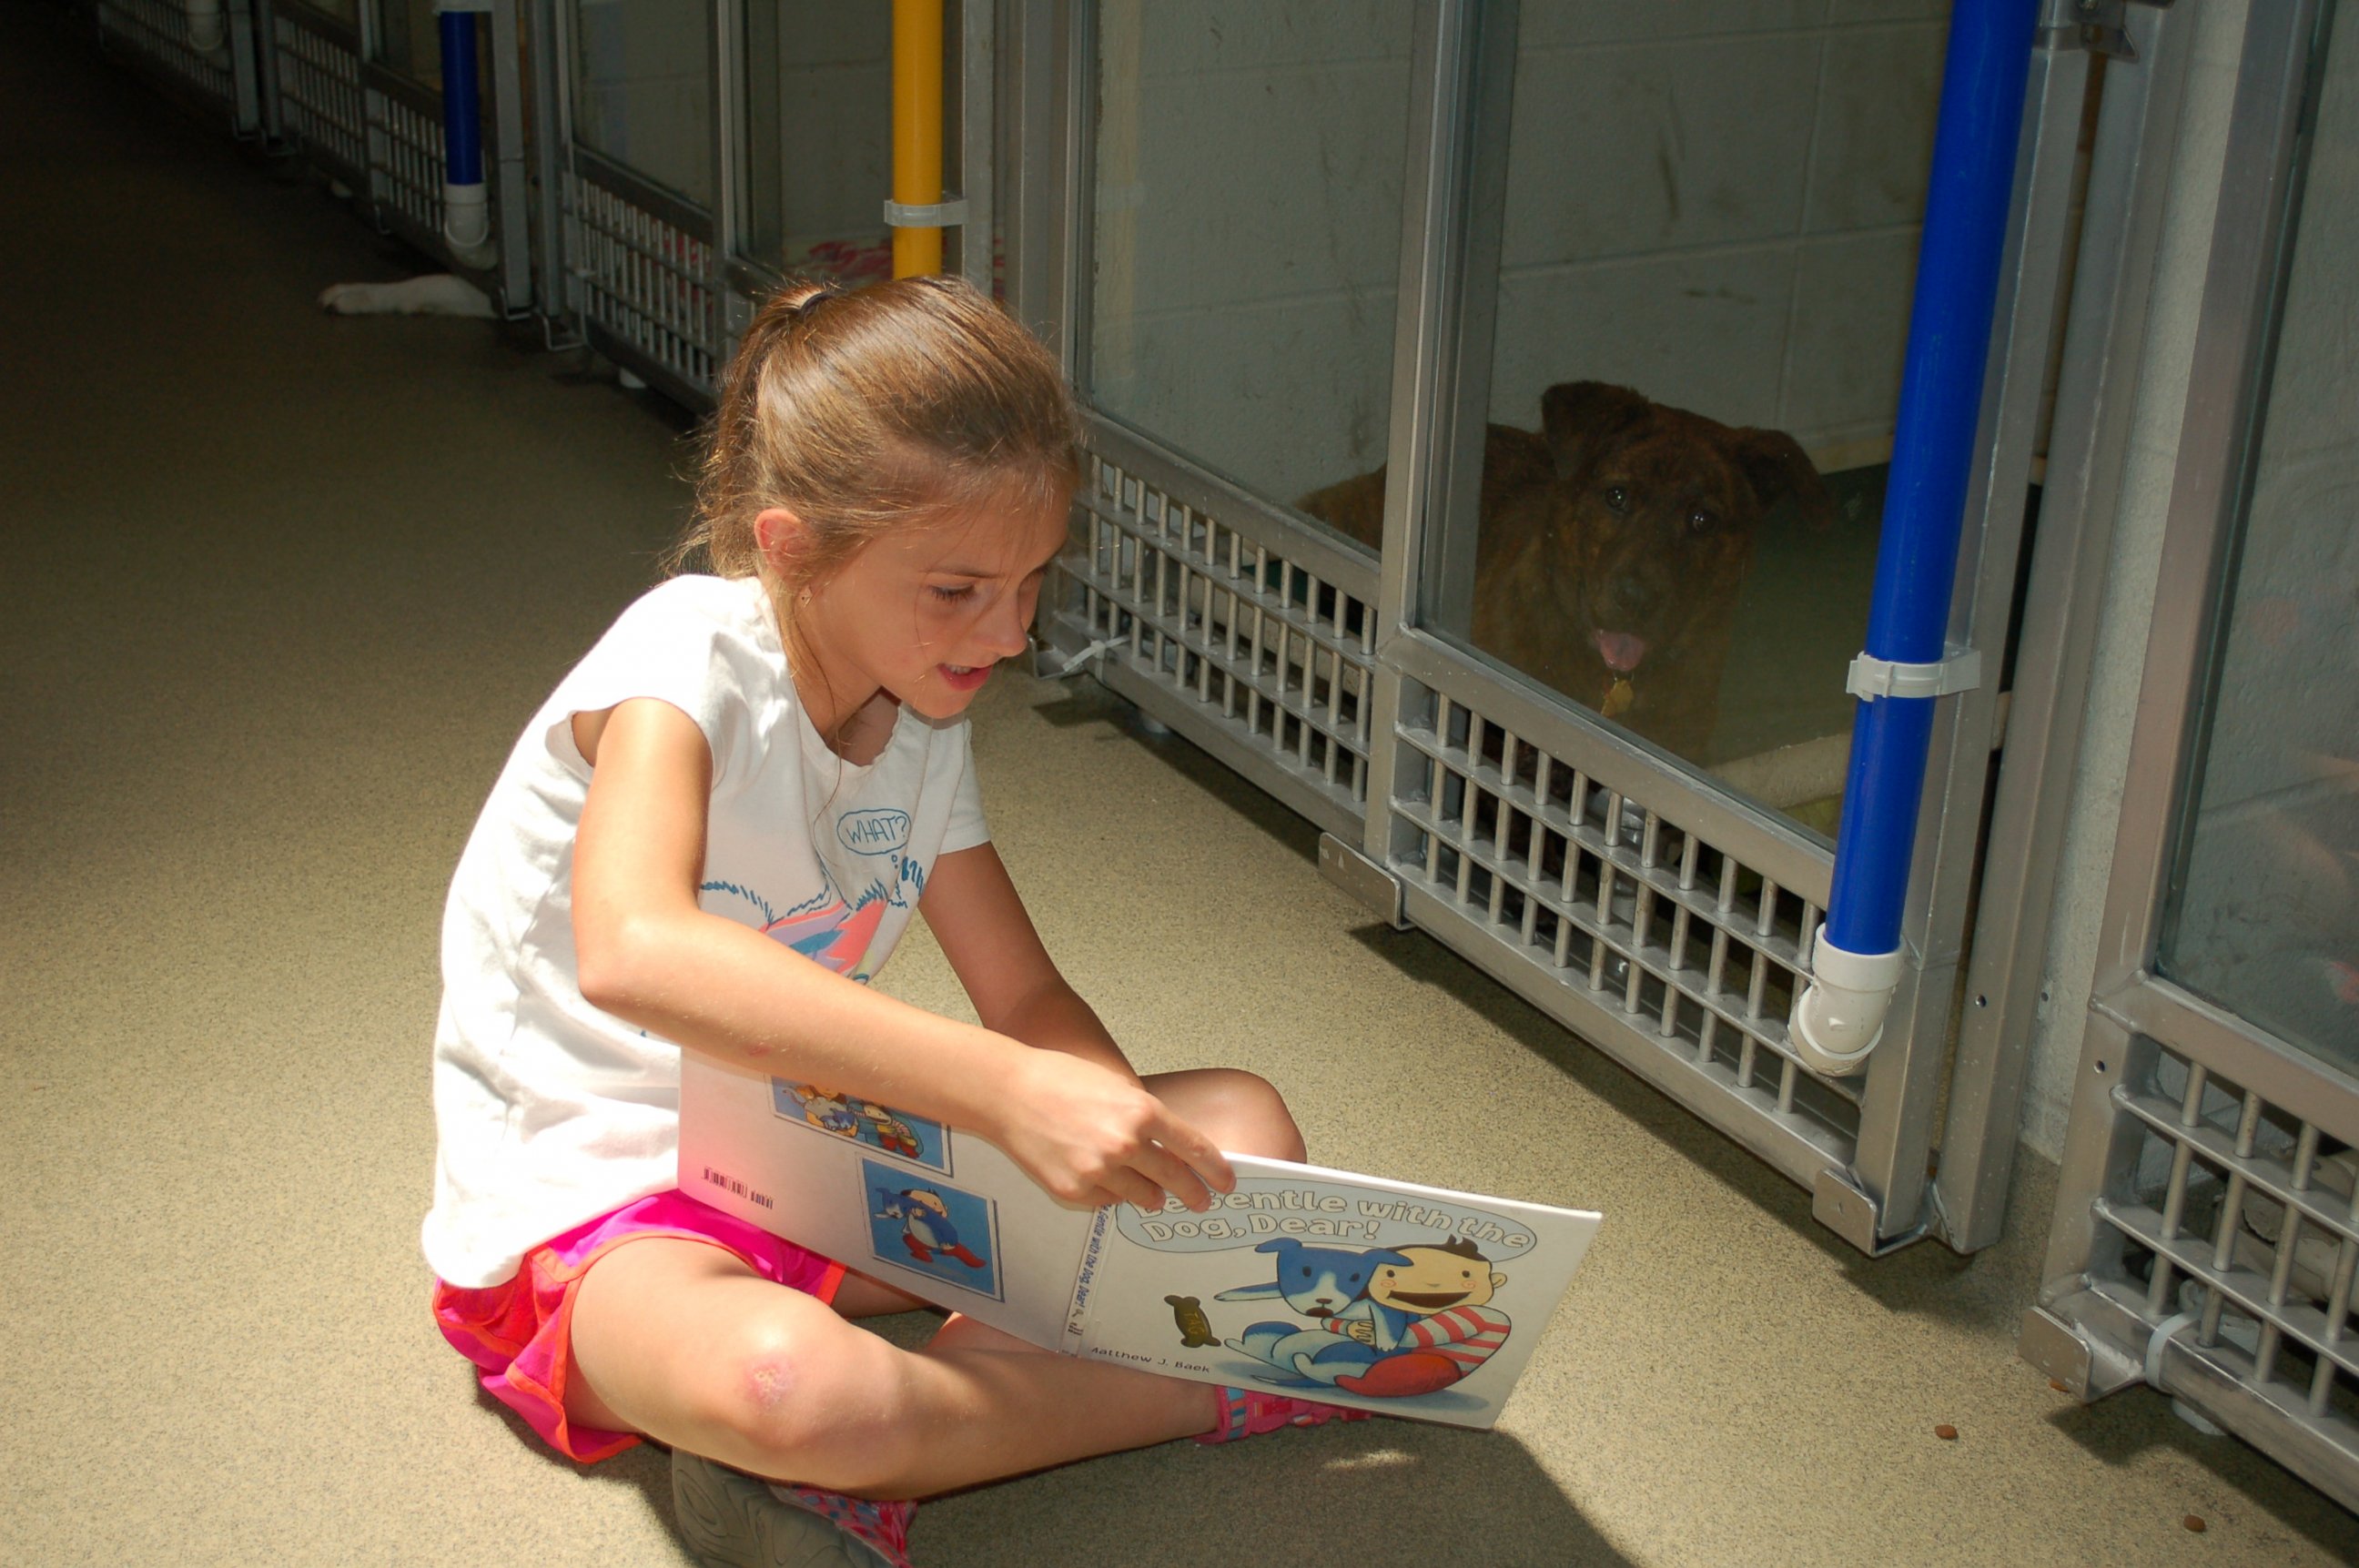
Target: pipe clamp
<point>1871,677</point>
<point>947,214</point>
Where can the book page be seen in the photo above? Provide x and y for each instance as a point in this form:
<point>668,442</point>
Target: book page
<point>931,1210</point>
<point>1347,1290</point>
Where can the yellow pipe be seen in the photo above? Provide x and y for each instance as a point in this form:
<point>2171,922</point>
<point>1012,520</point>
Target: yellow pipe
<point>917,129</point>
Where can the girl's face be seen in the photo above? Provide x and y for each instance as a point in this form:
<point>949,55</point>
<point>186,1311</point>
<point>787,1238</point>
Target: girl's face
<point>922,613</point>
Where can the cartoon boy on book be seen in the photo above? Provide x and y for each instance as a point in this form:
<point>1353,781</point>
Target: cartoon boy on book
<point>1429,1320</point>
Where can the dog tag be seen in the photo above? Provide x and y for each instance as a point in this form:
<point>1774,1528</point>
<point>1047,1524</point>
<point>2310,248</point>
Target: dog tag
<point>1618,699</point>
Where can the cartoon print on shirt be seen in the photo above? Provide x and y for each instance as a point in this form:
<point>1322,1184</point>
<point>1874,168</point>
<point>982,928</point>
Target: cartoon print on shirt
<point>832,929</point>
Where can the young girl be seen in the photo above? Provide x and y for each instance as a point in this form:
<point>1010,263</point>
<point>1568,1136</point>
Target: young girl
<point>663,864</point>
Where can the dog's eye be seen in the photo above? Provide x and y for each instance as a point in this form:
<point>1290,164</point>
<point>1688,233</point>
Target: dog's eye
<point>1699,521</point>
<point>1617,497</point>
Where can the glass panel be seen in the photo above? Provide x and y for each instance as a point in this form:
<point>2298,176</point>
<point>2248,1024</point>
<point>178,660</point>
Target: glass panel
<point>643,89</point>
<point>344,11</point>
<point>2264,916</point>
<point>409,40</point>
<point>1247,220</point>
<point>819,110</point>
<point>1703,247</point>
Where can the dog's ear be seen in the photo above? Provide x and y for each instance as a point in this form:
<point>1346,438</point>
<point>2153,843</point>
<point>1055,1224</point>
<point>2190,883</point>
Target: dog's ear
<point>1775,464</point>
<point>1576,416</point>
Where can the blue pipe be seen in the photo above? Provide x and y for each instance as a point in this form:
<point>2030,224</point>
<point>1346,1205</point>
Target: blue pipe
<point>1966,203</point>
<point>462,103</point>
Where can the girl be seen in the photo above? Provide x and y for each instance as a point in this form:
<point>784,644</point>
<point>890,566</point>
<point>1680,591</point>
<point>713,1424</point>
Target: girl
<point>684,852</point>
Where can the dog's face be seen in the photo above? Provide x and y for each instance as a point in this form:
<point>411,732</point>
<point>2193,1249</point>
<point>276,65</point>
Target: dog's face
<point>1647,531</point>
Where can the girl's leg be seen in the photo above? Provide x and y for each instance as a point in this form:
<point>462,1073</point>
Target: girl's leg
<point>680,1341</point>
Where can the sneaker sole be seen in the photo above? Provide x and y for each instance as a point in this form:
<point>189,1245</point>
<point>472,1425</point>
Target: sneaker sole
<point>731,1519</point>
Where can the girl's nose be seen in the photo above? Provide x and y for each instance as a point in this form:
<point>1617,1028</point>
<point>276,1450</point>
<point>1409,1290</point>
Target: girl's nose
<point>1005,628</point>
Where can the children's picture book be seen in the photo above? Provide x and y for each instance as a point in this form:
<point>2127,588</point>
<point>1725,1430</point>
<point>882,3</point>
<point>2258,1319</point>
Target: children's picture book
<point>1349,1290</point>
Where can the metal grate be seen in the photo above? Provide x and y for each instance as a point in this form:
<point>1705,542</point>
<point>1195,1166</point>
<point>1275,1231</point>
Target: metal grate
<point>2241,1231</point>
<point>1277,656</point>
<point>407,172</point>
<point>160,31</point>
<point>320,94</point>
<point>645,281</point>
<point>1676,937</point>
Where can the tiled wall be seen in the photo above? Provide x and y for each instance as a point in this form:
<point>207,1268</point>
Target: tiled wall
<point>1714,200</point>
<point>1717,202</point>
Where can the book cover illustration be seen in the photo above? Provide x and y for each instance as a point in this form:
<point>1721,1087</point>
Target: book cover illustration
<point>931,1227</point>
<point>881,1128</point>
<point>1346,1288</point>
<point>1335,1287</point>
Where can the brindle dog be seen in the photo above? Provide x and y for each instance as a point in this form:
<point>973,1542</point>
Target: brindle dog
<point>1612,548</point>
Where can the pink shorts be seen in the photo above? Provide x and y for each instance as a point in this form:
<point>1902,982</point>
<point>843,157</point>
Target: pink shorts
<point>520,1331</point>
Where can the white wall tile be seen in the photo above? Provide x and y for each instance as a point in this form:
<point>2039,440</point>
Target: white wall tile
<point>1188,37</point>
<point>1626,150</point>
<point>1644,323</point>
<point>1851,324</point>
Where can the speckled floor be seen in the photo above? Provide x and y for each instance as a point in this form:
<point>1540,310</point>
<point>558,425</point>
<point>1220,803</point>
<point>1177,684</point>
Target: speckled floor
<point>276,593</point>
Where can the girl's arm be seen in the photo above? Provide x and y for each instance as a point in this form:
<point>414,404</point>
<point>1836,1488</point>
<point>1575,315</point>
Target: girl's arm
<point>971,907</point>
<point>646,953</point>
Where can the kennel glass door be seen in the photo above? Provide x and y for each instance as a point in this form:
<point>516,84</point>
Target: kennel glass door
<point>818,159</point>
<point>2207,1227</point>
<point>1690,276</point>
<point>409,40</point>
<point>642,90</point>
<point>1245,218</point>
<point>1231,204</point>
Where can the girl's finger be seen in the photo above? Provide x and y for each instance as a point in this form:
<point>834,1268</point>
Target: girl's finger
<point>1129,1187</point>
<point>1160,1165</point>
<point>1198,1153</point>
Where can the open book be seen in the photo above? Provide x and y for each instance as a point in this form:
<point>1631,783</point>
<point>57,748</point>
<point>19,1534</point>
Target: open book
<point>1348,1290</point>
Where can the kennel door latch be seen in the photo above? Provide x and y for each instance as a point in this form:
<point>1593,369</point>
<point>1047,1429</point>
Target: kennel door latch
<point>1871,677</point>
<point>2096,25</point>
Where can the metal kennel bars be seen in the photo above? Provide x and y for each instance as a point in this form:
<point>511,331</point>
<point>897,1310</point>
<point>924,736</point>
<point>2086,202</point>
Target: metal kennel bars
<point>1661,917</point>
<point>218,73</point>
<point>2206,1231</point>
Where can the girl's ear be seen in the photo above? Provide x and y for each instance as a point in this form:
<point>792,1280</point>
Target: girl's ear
<point>778,534</point>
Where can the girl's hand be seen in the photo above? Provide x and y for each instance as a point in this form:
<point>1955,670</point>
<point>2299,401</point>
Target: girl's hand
<point>1092,1137</point>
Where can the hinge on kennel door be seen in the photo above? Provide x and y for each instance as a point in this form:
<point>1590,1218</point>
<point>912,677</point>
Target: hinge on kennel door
<point>2095,26</point>
<point>1354,872</point>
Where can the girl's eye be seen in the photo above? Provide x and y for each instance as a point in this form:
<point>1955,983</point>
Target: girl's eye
<point>950,595</point>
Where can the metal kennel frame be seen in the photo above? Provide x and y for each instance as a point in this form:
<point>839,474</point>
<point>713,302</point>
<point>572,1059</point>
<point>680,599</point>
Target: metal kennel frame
<point>661,284</point>
<point>1660,917</point>
<point>154,34</point>
<point>2185,1113</point>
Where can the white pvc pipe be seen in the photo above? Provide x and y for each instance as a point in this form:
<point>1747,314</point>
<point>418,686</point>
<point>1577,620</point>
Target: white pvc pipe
<point>1841,1016</point>
<point>467,223</point>
<point>208,27</point>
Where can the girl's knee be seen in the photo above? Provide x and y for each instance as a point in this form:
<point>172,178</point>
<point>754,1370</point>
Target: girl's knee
<point>833,1415</point>
<point>1243,1112</point>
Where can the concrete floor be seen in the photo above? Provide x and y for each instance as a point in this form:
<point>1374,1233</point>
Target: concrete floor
<point>276,591</point>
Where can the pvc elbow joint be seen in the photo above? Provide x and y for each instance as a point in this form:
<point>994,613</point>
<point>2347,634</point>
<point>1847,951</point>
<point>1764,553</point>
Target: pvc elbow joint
<point>208,27</point>
<point>1840,1015</point>
<point>467,224</point>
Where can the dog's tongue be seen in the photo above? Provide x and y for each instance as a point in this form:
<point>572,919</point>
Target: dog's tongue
<point>1620,651</point>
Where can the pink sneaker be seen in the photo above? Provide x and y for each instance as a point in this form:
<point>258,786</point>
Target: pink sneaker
<point>1247,1413</point>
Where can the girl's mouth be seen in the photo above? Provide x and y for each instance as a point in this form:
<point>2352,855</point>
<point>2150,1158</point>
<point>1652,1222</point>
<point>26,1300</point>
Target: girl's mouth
<point>964,677</point>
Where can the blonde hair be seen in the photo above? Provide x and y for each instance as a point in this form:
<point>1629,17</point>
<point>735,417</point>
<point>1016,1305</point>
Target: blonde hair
<point>856,411</point>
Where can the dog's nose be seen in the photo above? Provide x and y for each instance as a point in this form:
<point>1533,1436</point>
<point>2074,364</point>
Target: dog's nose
<point>1634,597</point>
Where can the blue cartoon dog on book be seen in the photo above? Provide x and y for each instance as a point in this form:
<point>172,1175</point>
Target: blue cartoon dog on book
<point>925,1227</point>
<point>1388,1321</point>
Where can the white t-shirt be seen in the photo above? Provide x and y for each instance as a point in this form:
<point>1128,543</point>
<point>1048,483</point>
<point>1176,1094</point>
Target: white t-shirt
<point>550,1112</point>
